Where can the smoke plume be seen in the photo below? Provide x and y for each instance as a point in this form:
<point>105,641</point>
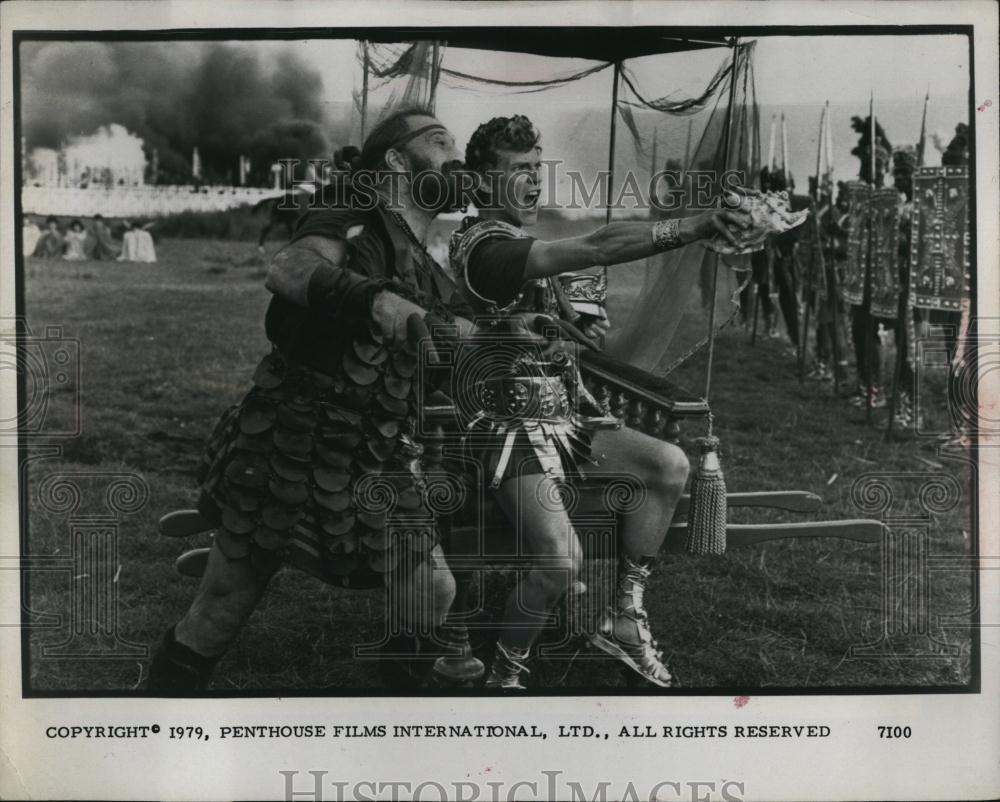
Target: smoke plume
<point>226,99</point>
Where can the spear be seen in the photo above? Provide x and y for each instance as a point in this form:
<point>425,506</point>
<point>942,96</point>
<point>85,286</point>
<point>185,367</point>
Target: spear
<point>833,287</point>
<point>871,138</point>
<point>784,151</point>
<point>829,144</point>
<point>815,252</point>
<point>819,150</point>
<point>923,131</point>
<point>867,295</point>
<point>904,298</point>
<point>770,148</point>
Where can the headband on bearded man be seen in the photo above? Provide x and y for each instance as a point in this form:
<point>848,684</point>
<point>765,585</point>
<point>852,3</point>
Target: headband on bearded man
<point>408,137</point>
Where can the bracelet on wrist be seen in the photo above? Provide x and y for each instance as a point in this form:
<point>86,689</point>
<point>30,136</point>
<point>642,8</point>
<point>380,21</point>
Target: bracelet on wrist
<point>667,234</point>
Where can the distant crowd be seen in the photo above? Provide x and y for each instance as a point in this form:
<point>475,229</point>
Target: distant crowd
<point>80,242</point>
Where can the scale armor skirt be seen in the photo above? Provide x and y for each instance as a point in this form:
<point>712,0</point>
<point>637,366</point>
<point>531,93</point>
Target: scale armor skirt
<point>323,470</point>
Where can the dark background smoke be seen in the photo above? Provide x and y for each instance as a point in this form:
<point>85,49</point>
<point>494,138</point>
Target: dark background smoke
<point>226,99</point>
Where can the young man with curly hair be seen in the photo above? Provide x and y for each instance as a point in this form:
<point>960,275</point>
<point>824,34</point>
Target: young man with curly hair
<point>532,436</point>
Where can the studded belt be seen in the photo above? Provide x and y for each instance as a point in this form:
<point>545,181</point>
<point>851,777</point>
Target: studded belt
<point>526,398</point>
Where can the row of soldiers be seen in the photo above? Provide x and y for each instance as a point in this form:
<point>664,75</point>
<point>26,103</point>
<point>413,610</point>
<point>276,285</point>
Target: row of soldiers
<point>852,316</point>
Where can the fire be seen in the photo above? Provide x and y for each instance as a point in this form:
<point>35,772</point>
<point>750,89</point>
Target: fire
<point>111,155</point>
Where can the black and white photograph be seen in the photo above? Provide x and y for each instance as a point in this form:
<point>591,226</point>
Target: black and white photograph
<point>444,360</point>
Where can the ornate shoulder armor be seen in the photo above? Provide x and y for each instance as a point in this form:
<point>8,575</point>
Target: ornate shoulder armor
<point>465,238</point>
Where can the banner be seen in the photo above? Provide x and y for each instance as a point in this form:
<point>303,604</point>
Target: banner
<point>939,257</point>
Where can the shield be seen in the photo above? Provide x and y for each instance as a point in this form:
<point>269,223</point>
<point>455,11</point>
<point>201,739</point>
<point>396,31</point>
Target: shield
<point>885,285</point>
<point>939,258</point>
<point>873,214</point>
<point>853,286</point>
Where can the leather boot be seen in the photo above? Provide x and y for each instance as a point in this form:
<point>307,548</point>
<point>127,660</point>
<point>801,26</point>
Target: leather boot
<point>177,670</point>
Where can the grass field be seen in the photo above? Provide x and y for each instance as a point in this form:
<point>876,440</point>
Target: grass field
<point>165,348</point>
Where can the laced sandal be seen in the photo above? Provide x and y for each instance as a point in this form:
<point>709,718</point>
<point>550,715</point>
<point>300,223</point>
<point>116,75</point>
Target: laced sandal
<point>624,633</point>
<point>508,665</point>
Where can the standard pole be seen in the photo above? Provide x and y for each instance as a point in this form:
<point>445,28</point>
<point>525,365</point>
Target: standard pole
<point>715,266</point>
<point>364,90</point>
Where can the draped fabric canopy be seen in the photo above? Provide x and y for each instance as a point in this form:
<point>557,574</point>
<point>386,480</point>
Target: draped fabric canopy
<point>660,308</point>
<point>663,304</point>
<point>595,44</point>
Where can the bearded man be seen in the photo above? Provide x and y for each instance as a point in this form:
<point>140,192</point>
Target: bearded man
<point>332,407</point>
<point>524,456</point>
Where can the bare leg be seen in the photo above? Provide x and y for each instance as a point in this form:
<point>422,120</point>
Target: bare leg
<point>230,589</point>
<point>660,468</point>
<point>546,532</point>
<point>228,594</point>
<point>420,598</point>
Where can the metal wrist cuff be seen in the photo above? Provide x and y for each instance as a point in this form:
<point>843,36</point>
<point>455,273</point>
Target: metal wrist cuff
<point>667,234</point>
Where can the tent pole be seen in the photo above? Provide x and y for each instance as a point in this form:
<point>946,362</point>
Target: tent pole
<point>364,90</point>
<point>715,267</point>
<point>611,144</point>
<point>687,149</point>
<point>652,163</point>
<point>435,55</point>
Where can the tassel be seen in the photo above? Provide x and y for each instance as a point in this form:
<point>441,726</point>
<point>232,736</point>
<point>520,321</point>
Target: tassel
<point>707,516</point>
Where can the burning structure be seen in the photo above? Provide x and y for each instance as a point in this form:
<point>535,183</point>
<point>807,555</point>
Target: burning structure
<point>131,113</point>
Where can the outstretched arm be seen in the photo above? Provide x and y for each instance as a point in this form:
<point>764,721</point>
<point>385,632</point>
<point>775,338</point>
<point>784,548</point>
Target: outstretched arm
<point>625,241</point>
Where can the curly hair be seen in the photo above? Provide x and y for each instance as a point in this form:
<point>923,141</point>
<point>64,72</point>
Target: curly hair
<point>515,133</point>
